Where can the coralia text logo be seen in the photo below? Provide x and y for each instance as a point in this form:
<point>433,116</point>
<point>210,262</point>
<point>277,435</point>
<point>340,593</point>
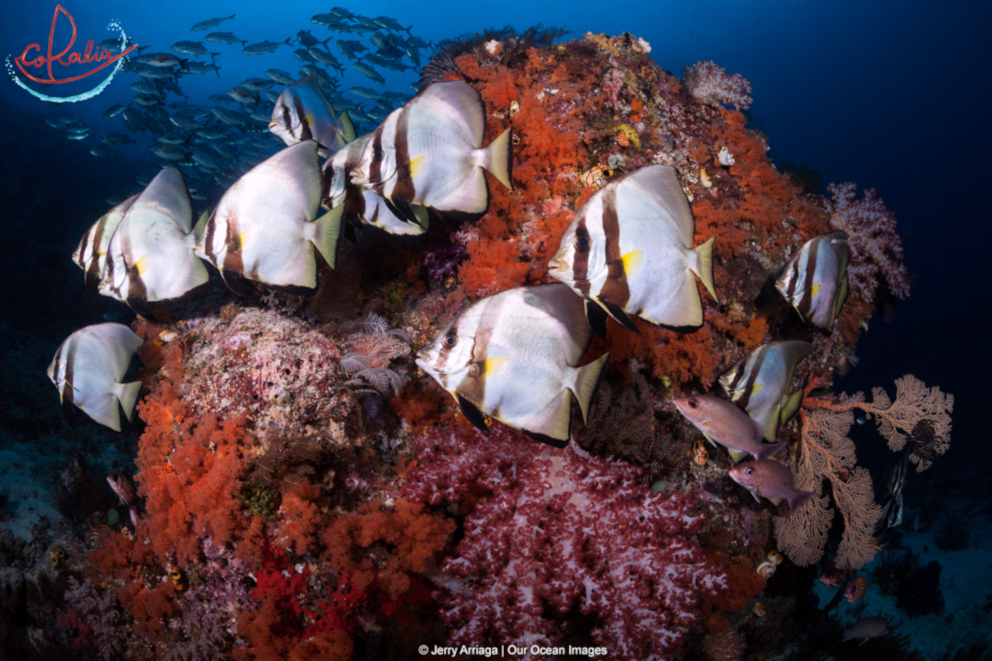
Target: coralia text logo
<point>32,60</point>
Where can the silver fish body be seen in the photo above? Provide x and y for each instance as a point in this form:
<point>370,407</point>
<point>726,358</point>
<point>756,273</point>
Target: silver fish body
<point>304,113</point>
<point>514,356</point>
<point>150,257</point>
<point>265,226</point>
<point>369,208</point>
<point>211,23</point>
<point>263,47</point>
<point>91,254</point>
<point>723,423</point>
<point>280,76</point>
<point>767,478</point>
<point>88,368</point>
<point>223,38</point>
<point>429,153</point>
<point>629,250</point>
<point>815,279</point>
<point>759,383</point>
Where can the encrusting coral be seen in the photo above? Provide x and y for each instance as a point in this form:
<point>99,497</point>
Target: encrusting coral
<point>290,511</point>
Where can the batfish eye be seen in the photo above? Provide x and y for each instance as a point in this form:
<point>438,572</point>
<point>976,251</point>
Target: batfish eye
<point>376,155</point>
<point>449,341</point>
<point>749,472</point>
<point>582,242</point>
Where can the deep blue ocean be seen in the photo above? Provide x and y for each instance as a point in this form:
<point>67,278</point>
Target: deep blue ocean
<point>894,96</point>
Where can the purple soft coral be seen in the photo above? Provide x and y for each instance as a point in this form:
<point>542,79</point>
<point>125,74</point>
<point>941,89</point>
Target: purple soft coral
<point>560,529</point>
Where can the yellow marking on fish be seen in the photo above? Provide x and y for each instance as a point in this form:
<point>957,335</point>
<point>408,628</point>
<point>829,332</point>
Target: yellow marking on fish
<point>309,120</point>
<point>632,260</point>
<point>242,239</point>
<point>413,167</point>
<point>490,365</point>
<point>756,388</point>
<point>141,265</point>
<point>814,290</point>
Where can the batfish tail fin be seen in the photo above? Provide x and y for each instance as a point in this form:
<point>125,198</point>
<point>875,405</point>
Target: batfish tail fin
<point>586,384</point>
<point>326,233</point>
<point>499,157</point>
<point>128,393</point>
<point>705,266</point>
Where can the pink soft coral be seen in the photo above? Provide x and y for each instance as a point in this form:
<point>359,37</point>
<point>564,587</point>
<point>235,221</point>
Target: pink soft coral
<point>562,529</point>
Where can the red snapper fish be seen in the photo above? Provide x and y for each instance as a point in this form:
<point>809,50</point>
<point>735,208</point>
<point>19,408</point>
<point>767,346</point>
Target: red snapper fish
<point>772,480</point>
<point>724,423</point>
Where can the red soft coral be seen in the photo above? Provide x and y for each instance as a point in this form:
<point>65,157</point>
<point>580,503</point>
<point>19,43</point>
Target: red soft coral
<point>562,530</point>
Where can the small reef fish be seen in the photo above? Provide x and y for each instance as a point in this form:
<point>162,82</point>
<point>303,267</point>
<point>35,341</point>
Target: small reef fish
<point>759,382</point>
<point>892,505</point>
<point>770,479</point>
<point>263,47</point>
<point>867,627</point>
<point>722,422</point>
<point>123,486</point>
<point>91,255</point>
<point>629,251</point>
<point>150,257</point>
<point>368,207</point>
<point>304,113</point>
<point>514,356</point>
<point>194,48</point>
<point>369,72</point>
<point>815,279</point>
<point>212,23</point>
<point>88,368</point>
<point>280,77</point>
<point>264,225</point>
<point>429,153</point>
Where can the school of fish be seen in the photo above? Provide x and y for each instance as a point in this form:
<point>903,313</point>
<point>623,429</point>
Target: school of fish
<point>513,357</point>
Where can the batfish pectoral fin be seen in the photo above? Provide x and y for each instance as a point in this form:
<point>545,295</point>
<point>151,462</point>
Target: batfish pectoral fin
<point>472,413</point>
<point>597,318</point>
<point>617,313</point>
<point>776,501</point>
<point>348,127</point>
<point>422,216</point>
<point>237,283</point>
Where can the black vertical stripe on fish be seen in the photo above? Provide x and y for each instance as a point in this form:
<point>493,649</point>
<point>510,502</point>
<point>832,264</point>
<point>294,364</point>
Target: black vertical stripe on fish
<point>403,188</point>
<point>445,352</point>
<point>580,268</point>
<point>473,387</point>
<point>375,168</point>
<point>70,359</point>
<point>807,300</point>
<point>752,377</point>
<point>233,258</point>
<point>615,290</point>
<point>305,131</point>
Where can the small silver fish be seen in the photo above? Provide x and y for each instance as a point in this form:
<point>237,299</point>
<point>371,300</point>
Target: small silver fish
<point>211,23</point>
<point>815,279</point>
<point>163,60</point>
<point>263,47</point>
<point>770,479</point>
<point>371,209</point>
<point>195,48</point>
<point>304,113</point>
<point>257,84</point>
<point>223,38</point>
<point>280,76</point>
<point>759,382</point>
<point>265,227</point>
<point>514,356</point>
<point>150,257</point>
<point>88,368</point>
<point>369,72</point>
<point>429,153</point>
<point>629,250</point>
<point>722,422</point>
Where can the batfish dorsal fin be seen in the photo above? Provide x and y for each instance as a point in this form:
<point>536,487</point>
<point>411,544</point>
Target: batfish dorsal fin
<point>473,413</point>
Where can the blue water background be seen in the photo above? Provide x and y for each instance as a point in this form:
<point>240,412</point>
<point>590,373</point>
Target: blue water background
<point>894,96</point>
